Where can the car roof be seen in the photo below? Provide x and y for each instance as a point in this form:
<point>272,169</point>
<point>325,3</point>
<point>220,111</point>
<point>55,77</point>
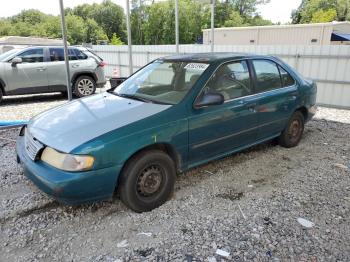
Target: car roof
<point>212,57</point>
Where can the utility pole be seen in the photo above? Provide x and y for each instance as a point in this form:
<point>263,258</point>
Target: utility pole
<point>177,25</point>
<point>129,36</point>
<point>65,45</point>
<point>212,25</point>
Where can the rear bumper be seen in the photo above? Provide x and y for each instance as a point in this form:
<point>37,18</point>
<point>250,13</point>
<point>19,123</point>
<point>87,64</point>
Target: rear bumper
<point>67,187</point>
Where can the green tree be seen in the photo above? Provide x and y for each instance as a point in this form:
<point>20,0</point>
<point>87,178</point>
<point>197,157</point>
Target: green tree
<point>322,16</point>
<point>93,32</point>
<point>110,17</point>
<point>116,40</point>
<point>234,20</point>
<point>5,27</point>
<point>311,11</point>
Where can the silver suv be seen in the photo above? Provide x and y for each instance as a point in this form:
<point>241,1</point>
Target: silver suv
<point>41,69</point>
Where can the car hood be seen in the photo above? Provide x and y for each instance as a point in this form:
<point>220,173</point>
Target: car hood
<point>68,126</point>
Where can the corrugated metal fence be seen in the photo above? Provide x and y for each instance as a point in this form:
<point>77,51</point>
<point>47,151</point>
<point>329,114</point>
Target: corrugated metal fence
<point>329,66</point>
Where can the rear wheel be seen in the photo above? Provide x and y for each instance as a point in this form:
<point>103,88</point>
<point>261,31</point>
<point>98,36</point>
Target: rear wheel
<point>84,86</point>
<point>293,132</point>
<point>147,181</point>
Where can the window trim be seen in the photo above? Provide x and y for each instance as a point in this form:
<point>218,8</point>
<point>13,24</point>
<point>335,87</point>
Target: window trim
<point>278,67</point>
<point>29,49</point>
<point>252,85</point>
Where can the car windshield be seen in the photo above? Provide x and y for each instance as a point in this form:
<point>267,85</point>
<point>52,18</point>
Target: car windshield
<point>164,82</point>
<point>4,56</point>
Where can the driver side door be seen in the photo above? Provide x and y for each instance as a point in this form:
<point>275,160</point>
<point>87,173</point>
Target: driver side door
<point>218,130</point>
<point>30,76</point>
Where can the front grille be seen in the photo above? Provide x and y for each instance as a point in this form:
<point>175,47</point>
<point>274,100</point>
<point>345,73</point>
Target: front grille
<point>32,145</point>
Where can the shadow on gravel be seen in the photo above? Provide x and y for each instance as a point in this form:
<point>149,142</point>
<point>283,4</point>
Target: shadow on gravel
<point>27,99</point>
<point>35,210</point>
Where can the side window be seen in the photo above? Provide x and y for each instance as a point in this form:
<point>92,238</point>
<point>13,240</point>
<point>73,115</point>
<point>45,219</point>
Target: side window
<point>57,54</point>
<point>35,55</point>
<point>287,79</point>
<point>267,74</point>
<point>80,55</point>
<point>232,80</point>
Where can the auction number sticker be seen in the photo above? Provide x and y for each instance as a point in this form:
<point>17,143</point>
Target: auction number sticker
<point>197,66</point>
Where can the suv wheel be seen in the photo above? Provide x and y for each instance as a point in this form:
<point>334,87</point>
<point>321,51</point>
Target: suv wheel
<point>84,86</point>
<point>1,95</point>
<point>147,181</point>
<point>293,132</point>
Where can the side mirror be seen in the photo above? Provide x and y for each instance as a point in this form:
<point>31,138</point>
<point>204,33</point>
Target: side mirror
<point>16,60</point>
<point>209,99</point>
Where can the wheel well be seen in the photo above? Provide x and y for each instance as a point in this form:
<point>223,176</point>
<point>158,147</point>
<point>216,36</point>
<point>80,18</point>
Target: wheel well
<point>303,110</point>
<point>166,148</point>
<point>2,85</point>
<point>84,74</point>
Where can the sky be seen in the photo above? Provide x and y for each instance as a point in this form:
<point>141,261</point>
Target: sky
<point>276,10</point>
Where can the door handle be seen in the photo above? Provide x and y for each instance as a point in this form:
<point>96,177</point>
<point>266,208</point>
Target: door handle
<point>41,69</point>
<point>251,107</point>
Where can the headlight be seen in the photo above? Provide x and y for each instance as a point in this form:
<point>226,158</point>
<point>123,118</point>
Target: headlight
<point>67,162</point>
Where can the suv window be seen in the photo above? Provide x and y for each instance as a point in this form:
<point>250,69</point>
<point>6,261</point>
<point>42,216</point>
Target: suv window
<point>267,75</point>
<point>232,80</point>
<point>287,79</point>
<point>57,54</point>
<point>35,55</point>
<point>80,54</point>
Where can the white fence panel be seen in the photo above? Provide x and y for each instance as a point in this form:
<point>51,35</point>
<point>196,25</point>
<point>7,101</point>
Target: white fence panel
<point>329,66</point>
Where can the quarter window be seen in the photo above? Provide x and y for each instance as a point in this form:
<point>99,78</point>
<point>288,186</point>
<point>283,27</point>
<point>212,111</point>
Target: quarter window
<point>35,55</point>
<point>81,55</point>
<point>287,79</point>
<point>267,75</point>
<point>232,80</point>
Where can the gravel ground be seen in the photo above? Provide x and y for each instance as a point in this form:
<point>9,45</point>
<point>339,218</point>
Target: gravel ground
<point>246,204</point>
<point>26,106</point>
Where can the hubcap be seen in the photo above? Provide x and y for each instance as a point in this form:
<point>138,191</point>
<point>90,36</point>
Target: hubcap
<point>294,129</point>
<point>149,180</point>
<point>85,87</point>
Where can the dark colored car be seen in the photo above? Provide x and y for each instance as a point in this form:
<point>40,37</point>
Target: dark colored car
<point>174,114</point>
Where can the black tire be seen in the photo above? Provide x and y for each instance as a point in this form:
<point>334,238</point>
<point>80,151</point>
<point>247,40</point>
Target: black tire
<point>147,181</point>
<point>84,86</point>
<point>1,95</point>
<point>293,132</point>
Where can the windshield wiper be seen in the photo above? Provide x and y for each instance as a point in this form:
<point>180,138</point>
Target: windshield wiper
<point>134,97</point>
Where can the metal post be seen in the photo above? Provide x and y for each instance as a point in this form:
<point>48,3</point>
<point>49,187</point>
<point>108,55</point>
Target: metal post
<point>177,25</point>
<point>212,25</point>
<point>129,36</point>
<point>66,59</point>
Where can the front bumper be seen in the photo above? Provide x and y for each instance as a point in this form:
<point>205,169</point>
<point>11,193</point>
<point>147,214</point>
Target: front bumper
<point>311,112</point>
<point>67,187</point>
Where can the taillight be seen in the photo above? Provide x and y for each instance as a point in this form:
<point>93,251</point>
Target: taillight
<point>102,64</point>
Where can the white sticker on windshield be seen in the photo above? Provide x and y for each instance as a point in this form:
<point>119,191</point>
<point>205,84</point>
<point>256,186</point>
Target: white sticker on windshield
<point>197,66</point>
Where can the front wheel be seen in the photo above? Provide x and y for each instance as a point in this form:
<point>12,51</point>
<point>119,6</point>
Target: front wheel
<point>147,181</point>
<point>293,132</point>
<point>84,86</point>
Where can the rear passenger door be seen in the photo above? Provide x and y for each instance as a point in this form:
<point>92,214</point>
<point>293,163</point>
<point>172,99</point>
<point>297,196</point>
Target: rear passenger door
<point>57,70</point>
<point>277,94</point>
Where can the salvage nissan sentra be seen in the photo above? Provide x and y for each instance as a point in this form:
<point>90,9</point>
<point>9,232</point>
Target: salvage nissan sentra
<point>172,115</point>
